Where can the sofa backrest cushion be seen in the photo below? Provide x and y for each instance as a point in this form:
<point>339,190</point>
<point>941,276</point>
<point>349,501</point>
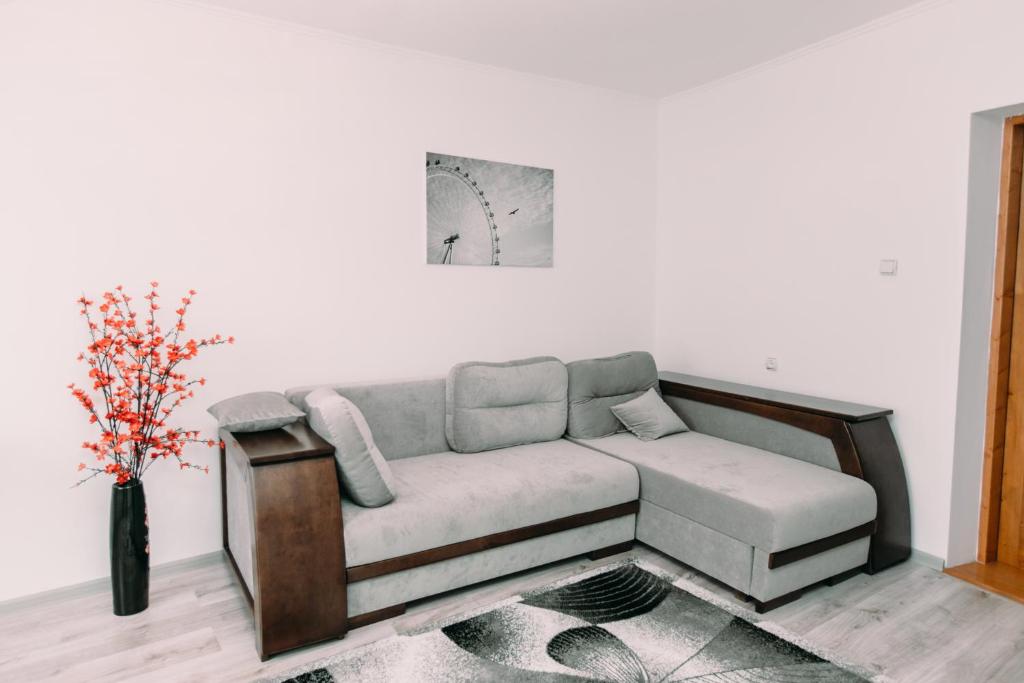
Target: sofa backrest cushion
<point>759,432</point>
<point>597,384</point>
<point>405,416</point>
<point>493,405</point>
<point>365,476</point>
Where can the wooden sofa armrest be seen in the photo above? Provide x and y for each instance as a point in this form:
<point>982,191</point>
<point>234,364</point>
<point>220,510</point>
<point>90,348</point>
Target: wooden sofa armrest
<point>860,434</point>
<point>299,591</point>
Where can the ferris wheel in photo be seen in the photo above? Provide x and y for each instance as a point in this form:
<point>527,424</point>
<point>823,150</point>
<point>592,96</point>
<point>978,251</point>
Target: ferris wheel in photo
<point>460,220</point>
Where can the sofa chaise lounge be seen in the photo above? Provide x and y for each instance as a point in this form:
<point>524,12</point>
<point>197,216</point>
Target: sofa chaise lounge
<point>767,492</point>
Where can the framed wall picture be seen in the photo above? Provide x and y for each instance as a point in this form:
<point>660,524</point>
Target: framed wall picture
<point>486,213</point>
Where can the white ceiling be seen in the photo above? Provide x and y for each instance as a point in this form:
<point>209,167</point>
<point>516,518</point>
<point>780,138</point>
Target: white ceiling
<point>648,47</point>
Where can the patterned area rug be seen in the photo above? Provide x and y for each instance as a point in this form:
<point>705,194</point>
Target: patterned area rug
<point>623,623</point>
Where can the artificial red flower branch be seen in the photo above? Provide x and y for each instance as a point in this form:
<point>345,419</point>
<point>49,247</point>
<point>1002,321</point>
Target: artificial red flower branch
<point>134,368</point>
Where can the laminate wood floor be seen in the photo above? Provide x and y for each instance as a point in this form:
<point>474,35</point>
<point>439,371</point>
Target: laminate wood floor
<point>910,623</point>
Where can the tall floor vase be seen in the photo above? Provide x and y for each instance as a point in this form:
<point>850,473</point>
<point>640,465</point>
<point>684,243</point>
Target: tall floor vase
<point>129,548</point>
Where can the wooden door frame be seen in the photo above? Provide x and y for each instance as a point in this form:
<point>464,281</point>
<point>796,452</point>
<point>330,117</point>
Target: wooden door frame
<point>1007,240</point>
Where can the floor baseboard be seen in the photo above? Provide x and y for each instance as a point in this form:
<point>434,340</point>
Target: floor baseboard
<point>927,559</point>
<point>103,583</point>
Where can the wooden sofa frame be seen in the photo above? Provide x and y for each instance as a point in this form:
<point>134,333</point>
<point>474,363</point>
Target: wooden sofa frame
<point>299,575</point>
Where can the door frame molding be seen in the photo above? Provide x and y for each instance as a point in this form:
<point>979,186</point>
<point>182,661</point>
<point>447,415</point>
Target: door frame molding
<point>1011,175</point>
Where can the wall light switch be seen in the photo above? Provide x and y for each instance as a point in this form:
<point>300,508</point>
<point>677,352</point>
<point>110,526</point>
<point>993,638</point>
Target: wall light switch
<point>771,364</point>
<point>887,266</point>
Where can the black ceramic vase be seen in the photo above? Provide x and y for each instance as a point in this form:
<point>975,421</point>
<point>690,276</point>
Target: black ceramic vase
<point>129,548</point>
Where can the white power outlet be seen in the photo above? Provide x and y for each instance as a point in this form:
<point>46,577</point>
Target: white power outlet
<point>771,363</point>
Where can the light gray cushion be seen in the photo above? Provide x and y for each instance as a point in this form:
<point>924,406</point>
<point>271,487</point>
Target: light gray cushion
<point>405,416</point>
<point>449,497</point>
<point>494,405</point>
<point>767,500</point>
<point>365,475</point>
<point>649,417</point>
<point>255,412</point>
<point>597,384</point>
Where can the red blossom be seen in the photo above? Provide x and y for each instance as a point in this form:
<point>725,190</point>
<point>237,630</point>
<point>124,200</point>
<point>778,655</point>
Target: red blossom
<point>135,377</point>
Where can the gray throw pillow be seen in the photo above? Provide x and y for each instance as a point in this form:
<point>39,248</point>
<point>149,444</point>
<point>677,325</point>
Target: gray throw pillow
<point>365,474</point>
<point>255,412</point>
<point>649,417</point>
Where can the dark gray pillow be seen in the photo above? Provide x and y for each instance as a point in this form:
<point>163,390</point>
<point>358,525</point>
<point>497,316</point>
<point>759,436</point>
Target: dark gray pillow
<point>649,417</point>
<point>255,412</point>
<point>597,384</point>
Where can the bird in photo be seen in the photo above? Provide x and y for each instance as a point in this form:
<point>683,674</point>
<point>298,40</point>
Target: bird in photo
<point>513,212</point>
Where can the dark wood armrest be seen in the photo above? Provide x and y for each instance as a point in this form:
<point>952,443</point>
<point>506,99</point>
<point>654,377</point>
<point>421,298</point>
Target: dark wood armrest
<point>861,435</point>
<point>299,590</point>
<point>296,441</point>
<point>826,407</point>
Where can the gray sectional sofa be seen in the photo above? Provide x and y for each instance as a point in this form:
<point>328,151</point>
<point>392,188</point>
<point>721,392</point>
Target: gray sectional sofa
<point>762,500</point>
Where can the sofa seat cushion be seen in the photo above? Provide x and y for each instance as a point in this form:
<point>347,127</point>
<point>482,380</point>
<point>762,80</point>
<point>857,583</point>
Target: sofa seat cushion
<point>767,500</point>
<point>448,497</point>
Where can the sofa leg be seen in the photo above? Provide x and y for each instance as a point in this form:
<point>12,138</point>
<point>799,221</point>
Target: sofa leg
<point>762,607</point>
<point>610,550</point>
<point>848,574</point>
<point>741,596</point>
<point>376,615</point>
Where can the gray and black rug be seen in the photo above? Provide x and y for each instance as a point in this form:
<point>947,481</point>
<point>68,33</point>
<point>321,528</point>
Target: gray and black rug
<point>624,623</point>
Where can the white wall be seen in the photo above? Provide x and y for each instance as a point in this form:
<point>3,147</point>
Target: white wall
<point>780,190</point>
<point>279,171</point>
<point>283,169</point>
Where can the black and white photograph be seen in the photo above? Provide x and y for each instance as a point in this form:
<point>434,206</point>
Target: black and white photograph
<point>487,213</point>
